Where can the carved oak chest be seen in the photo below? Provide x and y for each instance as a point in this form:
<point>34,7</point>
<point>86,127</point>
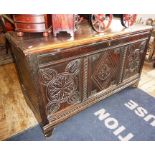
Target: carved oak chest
<point>62,76</point>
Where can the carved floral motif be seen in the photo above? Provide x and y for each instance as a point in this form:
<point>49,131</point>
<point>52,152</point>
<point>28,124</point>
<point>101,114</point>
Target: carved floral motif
<point>52,107</point>
<point>134,59</point>
<point>47,75</point>
<point>61,87</point>
<point>104,72</point>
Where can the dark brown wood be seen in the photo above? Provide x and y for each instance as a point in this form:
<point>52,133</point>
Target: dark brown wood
<point>62,76</point>
<point>154,64</point>
<point>31,23</point>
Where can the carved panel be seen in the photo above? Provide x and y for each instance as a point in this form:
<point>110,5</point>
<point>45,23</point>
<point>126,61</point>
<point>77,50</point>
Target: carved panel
<point>103,70</point>
<point>60,85</point>
<point>133,58</point>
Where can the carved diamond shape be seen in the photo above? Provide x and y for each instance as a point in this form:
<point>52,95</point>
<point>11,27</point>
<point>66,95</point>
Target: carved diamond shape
<point>104,71</point>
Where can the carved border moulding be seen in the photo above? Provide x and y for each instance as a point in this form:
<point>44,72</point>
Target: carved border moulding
<point>85,77</point>
<point>124,52</point>
<point>61,87</point>
<point>104,70</point>
<point>134,58</point>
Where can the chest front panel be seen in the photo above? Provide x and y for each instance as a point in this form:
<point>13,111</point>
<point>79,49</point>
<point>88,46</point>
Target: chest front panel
<point>68,82</point>
<point>133,60</point>
<point>104,70</point>
<point>61,85</point>
<point>72,79</point>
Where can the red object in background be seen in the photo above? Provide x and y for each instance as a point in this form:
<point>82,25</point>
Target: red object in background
<point>7,26</point>
<point>31,23</point>
<point>129,19</point>
<point>63,22</point>
<point>101,22</point>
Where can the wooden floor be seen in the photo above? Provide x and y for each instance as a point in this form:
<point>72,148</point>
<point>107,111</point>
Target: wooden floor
<point>16,116</point>
<point>147,82</point>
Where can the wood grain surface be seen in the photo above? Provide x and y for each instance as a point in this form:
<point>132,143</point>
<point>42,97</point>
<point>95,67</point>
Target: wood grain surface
<point>15,115</point>
<point>147,82</point>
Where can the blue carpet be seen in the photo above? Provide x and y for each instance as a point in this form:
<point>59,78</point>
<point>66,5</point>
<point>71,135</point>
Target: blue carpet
<point>127,115</point>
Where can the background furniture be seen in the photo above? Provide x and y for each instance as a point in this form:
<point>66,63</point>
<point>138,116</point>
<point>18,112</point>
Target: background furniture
<point>60,77</point>
<point>63,22</point>
<point>151,49</point>
<point>149,19</point>
<point>31,23</point>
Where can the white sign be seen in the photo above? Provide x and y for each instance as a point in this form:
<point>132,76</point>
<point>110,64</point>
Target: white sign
<point>113,124</point>
<point>141,112</point>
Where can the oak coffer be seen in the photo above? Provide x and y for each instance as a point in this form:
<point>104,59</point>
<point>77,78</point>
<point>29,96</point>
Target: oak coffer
<point>62,76</point>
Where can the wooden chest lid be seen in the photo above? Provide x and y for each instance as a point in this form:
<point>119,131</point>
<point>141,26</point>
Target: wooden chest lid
<point>36,43</point>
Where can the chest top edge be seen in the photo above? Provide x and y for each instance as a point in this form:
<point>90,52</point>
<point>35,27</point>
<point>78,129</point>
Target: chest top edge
<point>34,45</point>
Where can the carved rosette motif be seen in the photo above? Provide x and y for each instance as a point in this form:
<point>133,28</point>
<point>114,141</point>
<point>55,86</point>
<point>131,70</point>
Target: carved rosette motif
<point>104,70</point>
<point>61,87</point>
<point>134,59</point>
